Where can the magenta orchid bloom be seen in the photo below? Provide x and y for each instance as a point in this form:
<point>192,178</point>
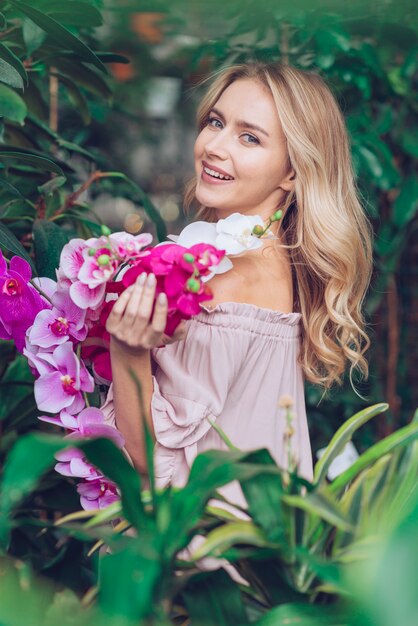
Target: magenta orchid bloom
<point>91,423</point>
<point>97,494</point>
<point>62,385</point>
<point>19,301</point>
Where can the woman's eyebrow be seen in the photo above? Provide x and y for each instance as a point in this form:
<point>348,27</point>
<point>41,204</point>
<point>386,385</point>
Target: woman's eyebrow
<point>242,123</point>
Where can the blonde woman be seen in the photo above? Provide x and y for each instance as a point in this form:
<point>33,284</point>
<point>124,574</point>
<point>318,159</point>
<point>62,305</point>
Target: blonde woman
<point>270,137</point>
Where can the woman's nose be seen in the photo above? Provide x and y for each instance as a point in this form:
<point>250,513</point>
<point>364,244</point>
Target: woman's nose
<point>217,146</point>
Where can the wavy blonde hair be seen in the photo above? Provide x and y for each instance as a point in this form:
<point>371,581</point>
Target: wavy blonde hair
<point>325,228</point>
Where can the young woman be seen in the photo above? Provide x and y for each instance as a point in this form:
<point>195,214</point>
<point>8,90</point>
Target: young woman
<point>270,137</point>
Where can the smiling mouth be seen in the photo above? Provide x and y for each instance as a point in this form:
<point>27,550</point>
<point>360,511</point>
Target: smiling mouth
<point>215,174</point>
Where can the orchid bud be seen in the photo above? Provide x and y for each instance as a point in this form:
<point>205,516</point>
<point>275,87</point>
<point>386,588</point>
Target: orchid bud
<point>277,216</point>
<point>258,230</point>
<point>188,257</point>
<point>103,259</point>
<point>91,251</point>
<point>193,285</point>
<point>105,230</point>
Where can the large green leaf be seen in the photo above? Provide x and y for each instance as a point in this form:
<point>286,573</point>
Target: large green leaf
<point>34,453</point>
<point>303,615</point>
<point>321,506</point>
<point>398,439</point>
<point>31,158</point>
<point>213,598</point>
<point>263,493</point>
<point>49,240</point>
<point>74,13</point>
<point>11,77</point>
<point>7,55</point>
<point>12,244</point>
<point>130,578</point>
<point>342,437</point>
<point>12,107</point>
<point>227,535</point>
<point>58,33</point>
<point>83,76</point>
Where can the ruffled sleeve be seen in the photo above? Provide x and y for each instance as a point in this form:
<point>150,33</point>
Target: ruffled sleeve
<point>191,384</point>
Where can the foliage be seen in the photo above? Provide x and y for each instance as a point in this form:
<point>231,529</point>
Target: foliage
<point>305,549</point>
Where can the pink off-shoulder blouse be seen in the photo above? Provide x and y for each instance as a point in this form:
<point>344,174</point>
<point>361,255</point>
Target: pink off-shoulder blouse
<point>234,365</point>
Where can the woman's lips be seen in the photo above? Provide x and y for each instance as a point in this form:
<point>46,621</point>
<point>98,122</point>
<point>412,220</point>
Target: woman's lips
<point>207,178</point>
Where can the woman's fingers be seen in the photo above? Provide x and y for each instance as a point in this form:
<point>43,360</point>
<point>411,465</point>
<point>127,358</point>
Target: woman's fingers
<point>159,319</point>
<point>133,306</point>
<point>118,308</point>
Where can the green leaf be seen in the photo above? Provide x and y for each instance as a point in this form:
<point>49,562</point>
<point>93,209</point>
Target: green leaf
<point>320,505</point>
<point>33,36</point>
<point>74,13</point>
<point>10,76</point>
<point>12,244</point>
<point>132,592</point>
<point>59,34</point>
<point>400,438</point>
<point>303,615</point>
<point>263,493</point>
<point>34,453</point>
<point>7,55</point>
<point>228,535</point>
<point>52,184</point>
<point>26,156</point>
<point>12,107</point>
<point>49,241</point>
<point>406,204</point>
<point>83,76</point>
<point>77,98</point>
<point>342,437</point>
<point>214,598</point>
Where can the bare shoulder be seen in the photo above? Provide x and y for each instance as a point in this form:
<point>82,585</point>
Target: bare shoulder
<point>255,283</point>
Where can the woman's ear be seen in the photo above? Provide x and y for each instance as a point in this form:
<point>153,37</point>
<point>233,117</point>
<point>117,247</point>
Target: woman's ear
<point>288,182</point>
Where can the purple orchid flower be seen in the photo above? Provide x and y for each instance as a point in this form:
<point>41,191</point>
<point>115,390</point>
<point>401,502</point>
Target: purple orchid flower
<point>19,301</point>
<point>62,380</point>
<point>97,494</point>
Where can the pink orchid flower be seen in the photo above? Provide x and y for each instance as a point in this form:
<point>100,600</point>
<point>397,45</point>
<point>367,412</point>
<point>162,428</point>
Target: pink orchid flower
<point>72,462</point>
<point>97,494</point>
<point>62,385</point>
<point>54,327</point>
<point>128,246</point>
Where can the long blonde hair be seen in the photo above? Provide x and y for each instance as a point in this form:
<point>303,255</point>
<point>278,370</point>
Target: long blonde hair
<point>326,231</point>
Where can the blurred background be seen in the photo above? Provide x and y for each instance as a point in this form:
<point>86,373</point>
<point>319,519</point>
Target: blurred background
<point>367,52</point>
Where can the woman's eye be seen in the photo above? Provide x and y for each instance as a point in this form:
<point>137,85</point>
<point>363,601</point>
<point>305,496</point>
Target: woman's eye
<point>214,121</point>
<point>250,138</point>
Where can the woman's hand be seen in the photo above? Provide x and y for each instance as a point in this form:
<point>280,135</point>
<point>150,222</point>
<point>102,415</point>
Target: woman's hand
<point>130,323</point>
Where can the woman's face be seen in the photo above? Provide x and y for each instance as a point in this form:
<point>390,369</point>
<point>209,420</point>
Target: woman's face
<point>241,158</point>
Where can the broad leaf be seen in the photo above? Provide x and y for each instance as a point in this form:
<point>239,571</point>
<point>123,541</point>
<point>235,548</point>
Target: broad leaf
<point>342,437</point>
<point>58,33</point>
<point>12,244</point>
<point>7,55</point>
<point>214,598</point>
<point>12,107</point>
<point>49,241</point>
<point>26,156</point>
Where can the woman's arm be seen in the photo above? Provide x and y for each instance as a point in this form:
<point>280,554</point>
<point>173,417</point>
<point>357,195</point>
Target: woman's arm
<point>133,333</point>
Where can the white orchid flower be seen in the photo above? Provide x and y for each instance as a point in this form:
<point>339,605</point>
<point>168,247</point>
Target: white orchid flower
<point>232,234</point>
